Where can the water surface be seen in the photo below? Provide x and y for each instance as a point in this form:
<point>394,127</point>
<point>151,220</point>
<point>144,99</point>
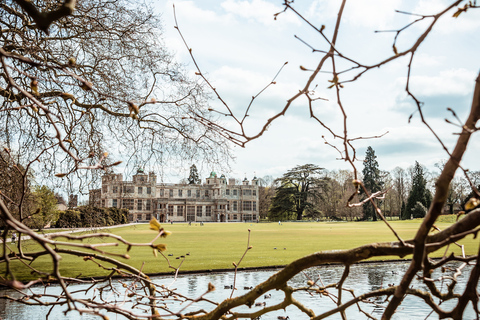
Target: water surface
<point>362,278</point>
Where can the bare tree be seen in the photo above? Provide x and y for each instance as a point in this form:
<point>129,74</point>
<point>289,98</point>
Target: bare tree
<point>423,244</point>
<point>101,77</point>
<point>18,75</point>
<point>266,192</point>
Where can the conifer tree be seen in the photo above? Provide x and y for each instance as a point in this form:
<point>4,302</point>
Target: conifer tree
<point>418,193</point>
<point>298,188</point>
<point>371,180</point>
<point>193,177</point>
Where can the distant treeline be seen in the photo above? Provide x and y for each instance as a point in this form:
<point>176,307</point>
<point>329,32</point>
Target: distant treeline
<point>87,216</point>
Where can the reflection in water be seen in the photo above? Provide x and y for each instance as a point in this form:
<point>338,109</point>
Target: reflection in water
<point>362,278</point>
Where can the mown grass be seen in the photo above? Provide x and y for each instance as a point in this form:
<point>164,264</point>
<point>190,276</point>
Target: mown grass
<point>218,245</point>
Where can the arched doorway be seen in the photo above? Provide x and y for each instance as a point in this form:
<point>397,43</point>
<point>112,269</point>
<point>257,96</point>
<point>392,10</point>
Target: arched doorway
<point>222,218</point>
<point>162,218</point>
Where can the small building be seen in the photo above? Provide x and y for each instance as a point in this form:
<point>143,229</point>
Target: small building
<point>216,200</point>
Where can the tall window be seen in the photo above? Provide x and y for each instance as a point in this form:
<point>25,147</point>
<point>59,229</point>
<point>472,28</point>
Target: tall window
<point>180,193</point>
<point>234,192</point>
<point>199,211</point>
<point>247,192</point>
<point>127,204</point>
<point>139,205</point>
<point>198,193</point>
<point>149,190</point>
<point>208,211</point>
<point>161,192</point>
<point>254,205</point>
<point>189,193</point>
<point>140,190</point>
<point>254,192</point>
<point>179,211</point>
<point>148,205</point>
<point>190,213</point>
<point>235,208</point>
<point>115,189</point>
<point>104,189</point>
<point>170,211</point>
<point>114,203</point>
<point>227,192</point>
<point>206,193</point>
<point>171,193</point>
<point>128,189</point>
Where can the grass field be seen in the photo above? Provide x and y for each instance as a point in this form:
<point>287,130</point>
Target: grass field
<point>217,245</point>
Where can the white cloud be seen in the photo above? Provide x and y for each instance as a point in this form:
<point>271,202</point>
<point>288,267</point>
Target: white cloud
<point>466,22</point>
<point>257,11</point>
<point>239,45</point>
<point>365,13</point>
<point>448,82</point>
<point>428,60</point>
<point>371,13</point>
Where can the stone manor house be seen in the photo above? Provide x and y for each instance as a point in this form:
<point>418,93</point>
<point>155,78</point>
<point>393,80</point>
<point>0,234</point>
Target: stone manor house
<point>213,201</point>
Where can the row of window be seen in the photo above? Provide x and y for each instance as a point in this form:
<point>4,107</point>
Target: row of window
<point>246,217</point>
<point>245,192</point>
<point>130,204</point>
<point>189,193</point>
<point>128,189</point>
<point>191,211</point>
<point>191,217</point>
<point>245,205</point>
<point>147,205</point>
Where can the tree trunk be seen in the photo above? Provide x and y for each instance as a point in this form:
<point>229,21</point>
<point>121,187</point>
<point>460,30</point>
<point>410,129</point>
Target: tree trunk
<point>299,214</point>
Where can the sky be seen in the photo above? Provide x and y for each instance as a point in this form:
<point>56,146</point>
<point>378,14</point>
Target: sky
<point>240,47</point>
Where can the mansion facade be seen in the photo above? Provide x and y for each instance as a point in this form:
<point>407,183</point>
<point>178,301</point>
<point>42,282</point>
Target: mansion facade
<point>214,201</point>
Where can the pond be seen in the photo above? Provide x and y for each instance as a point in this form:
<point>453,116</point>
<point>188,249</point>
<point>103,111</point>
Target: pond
<point>363,278</point>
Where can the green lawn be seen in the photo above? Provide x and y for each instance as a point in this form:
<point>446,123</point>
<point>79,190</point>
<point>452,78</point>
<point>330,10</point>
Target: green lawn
<point>217,245</point>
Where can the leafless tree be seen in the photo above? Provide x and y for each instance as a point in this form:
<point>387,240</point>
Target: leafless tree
<point>101,77</point>
<point>266,192</point>
<point>423,243</point>
<point>335,193</point>
<point>20,71</point>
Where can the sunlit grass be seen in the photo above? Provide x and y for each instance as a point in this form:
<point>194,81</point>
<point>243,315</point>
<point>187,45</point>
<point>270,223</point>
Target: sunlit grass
<point>218,245</point>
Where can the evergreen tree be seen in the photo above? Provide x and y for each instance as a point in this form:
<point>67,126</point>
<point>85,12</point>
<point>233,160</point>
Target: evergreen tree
<point>418,192</point>
<point>402,211</point>
<point>298,188</point>
<point>372,181</point>
<point>193,177</point>
<point>419,210</point>
<point>283,204</point>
